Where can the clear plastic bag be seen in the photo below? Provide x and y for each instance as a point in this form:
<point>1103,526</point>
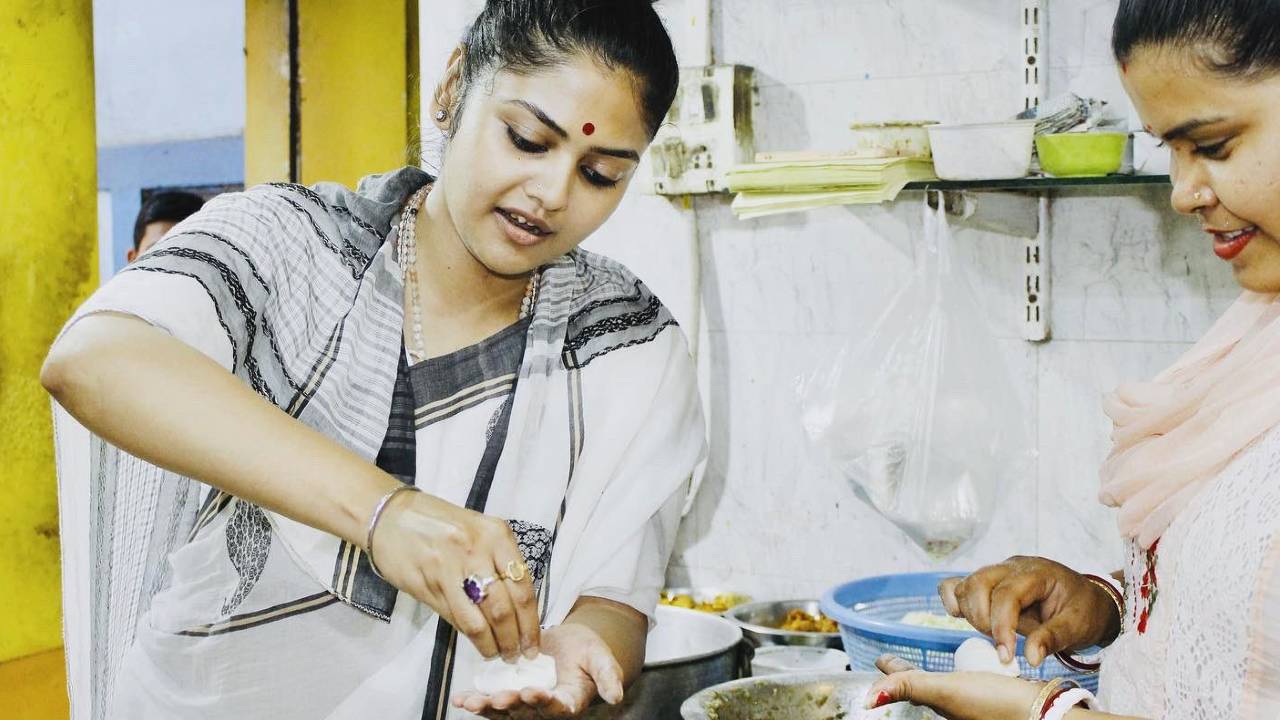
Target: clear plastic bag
<point>920,415</point>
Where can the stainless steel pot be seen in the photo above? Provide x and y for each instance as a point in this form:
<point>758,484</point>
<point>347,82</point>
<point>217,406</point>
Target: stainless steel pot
<point>686,652</point>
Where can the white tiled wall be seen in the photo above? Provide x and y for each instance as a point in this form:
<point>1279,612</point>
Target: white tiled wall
<point>1133,286</point>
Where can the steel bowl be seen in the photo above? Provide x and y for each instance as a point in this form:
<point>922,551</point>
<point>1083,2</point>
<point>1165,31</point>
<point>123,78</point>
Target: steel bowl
<point>799,696</point>
<point>760,620</point>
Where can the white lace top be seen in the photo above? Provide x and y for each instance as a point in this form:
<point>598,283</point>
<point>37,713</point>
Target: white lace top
<point>1201,636</point>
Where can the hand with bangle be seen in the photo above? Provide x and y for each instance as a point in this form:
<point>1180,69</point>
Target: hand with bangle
<point>982,696</point>
<point>464,565</point>
<point>1057,609</point>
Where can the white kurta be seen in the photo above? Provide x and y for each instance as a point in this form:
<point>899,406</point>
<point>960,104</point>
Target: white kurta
<point>1211,645</point>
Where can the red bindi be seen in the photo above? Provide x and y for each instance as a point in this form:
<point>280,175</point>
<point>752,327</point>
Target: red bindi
<point>588,129</point>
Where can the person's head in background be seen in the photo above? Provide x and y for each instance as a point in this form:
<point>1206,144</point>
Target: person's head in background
<point>546,106</point>
<point>158,215</point>
<point>1205,77</point>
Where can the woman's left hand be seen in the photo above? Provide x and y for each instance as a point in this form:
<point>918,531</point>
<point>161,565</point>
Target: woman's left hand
<point>585,667</point>
<point>955,696</point>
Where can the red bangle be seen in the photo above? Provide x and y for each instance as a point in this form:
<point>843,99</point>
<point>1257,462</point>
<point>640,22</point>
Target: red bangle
<point>1074,663</point>
<point>1048,704</point>
<point>1050,692</point>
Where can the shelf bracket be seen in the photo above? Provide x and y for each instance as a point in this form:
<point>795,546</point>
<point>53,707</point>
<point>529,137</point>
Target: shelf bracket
<point>1036,277</point>
<point>1036,280</point>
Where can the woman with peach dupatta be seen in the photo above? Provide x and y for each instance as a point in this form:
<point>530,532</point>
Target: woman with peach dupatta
<point>1193,631</point>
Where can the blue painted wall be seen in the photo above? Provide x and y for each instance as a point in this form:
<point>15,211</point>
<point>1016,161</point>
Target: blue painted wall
<point>126,171</point>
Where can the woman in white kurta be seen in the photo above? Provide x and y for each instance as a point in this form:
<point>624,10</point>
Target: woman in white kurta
<point>1193,629</point>
<point>345,445</point>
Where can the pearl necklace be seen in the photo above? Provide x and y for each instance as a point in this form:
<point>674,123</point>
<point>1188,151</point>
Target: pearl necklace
<point>407,255</point>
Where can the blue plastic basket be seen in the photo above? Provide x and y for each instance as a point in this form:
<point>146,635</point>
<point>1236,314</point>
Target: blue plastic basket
<point>869,613</point>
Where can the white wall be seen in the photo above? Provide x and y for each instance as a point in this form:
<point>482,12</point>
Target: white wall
<point>168,70</point>
<point>1134,285</point>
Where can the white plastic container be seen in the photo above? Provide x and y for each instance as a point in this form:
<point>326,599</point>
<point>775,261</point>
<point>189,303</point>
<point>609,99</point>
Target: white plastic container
<point>779,659</point>
<point>983,151</point>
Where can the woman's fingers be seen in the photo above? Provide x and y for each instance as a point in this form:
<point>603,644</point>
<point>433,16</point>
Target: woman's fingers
<point>607,674</point>
<point>1008,600</point>
<point>947,591</point>
<point>500,613</point>
<point>890,664</point>
<point>1055,634</point>
<point>469,620</point>
<point>518,584</point>
<point>898,683</point>
<point>973,594</point>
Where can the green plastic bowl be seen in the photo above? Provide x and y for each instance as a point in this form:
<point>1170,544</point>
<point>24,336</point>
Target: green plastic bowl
<point>1081,154</point>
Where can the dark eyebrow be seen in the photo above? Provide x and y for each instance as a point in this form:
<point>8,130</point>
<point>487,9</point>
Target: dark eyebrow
<point>538,113</point>
<point>624,154</point>
<point>631,155</point>
<point>1189,127</point>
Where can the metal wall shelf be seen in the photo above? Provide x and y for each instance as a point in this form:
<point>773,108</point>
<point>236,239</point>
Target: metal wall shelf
<point>1038,183</point>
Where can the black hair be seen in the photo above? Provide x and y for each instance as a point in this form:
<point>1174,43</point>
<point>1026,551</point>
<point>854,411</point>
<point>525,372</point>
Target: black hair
<point>526,35</point>
<point>167,206</point>
<point>1234,38</point>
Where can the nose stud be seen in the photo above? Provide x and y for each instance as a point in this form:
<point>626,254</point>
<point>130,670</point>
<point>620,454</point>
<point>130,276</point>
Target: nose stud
<point>1197,196</point>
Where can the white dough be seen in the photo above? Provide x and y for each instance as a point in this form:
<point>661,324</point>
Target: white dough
<point>979,655</point>
<point>497,675</point>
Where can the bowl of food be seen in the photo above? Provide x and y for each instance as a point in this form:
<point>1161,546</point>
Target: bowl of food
<point>710,600</point>
<point>798,696</point>
<point>786,622</point>
<point>1081,154</point>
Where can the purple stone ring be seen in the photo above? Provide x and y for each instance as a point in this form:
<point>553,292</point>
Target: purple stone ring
<point>477,588</point>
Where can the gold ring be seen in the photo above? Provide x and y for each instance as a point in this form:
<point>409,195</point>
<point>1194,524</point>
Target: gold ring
<point>516,571</point>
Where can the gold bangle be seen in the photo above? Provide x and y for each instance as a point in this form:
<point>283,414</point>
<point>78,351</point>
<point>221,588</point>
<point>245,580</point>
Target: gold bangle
<point>1109,589</point>
<point>1037,707</point>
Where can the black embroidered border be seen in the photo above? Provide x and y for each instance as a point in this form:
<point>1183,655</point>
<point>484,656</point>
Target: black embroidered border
<point>354,258</point>
<point>311,195</point>
<point>217,310</point>
<point>241,300</point>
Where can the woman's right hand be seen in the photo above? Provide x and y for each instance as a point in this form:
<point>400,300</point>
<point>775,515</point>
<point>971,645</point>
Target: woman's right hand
<point>427,547</point>
<point>1055,607</point>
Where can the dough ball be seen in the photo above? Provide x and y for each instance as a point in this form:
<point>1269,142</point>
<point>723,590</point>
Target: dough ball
<point>979,655</point>
<point>497,675</point>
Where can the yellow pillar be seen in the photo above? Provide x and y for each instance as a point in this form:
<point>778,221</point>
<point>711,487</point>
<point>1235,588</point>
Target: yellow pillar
<point>48,265</point>
<point>349,107</point>
<point>267,144</point>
